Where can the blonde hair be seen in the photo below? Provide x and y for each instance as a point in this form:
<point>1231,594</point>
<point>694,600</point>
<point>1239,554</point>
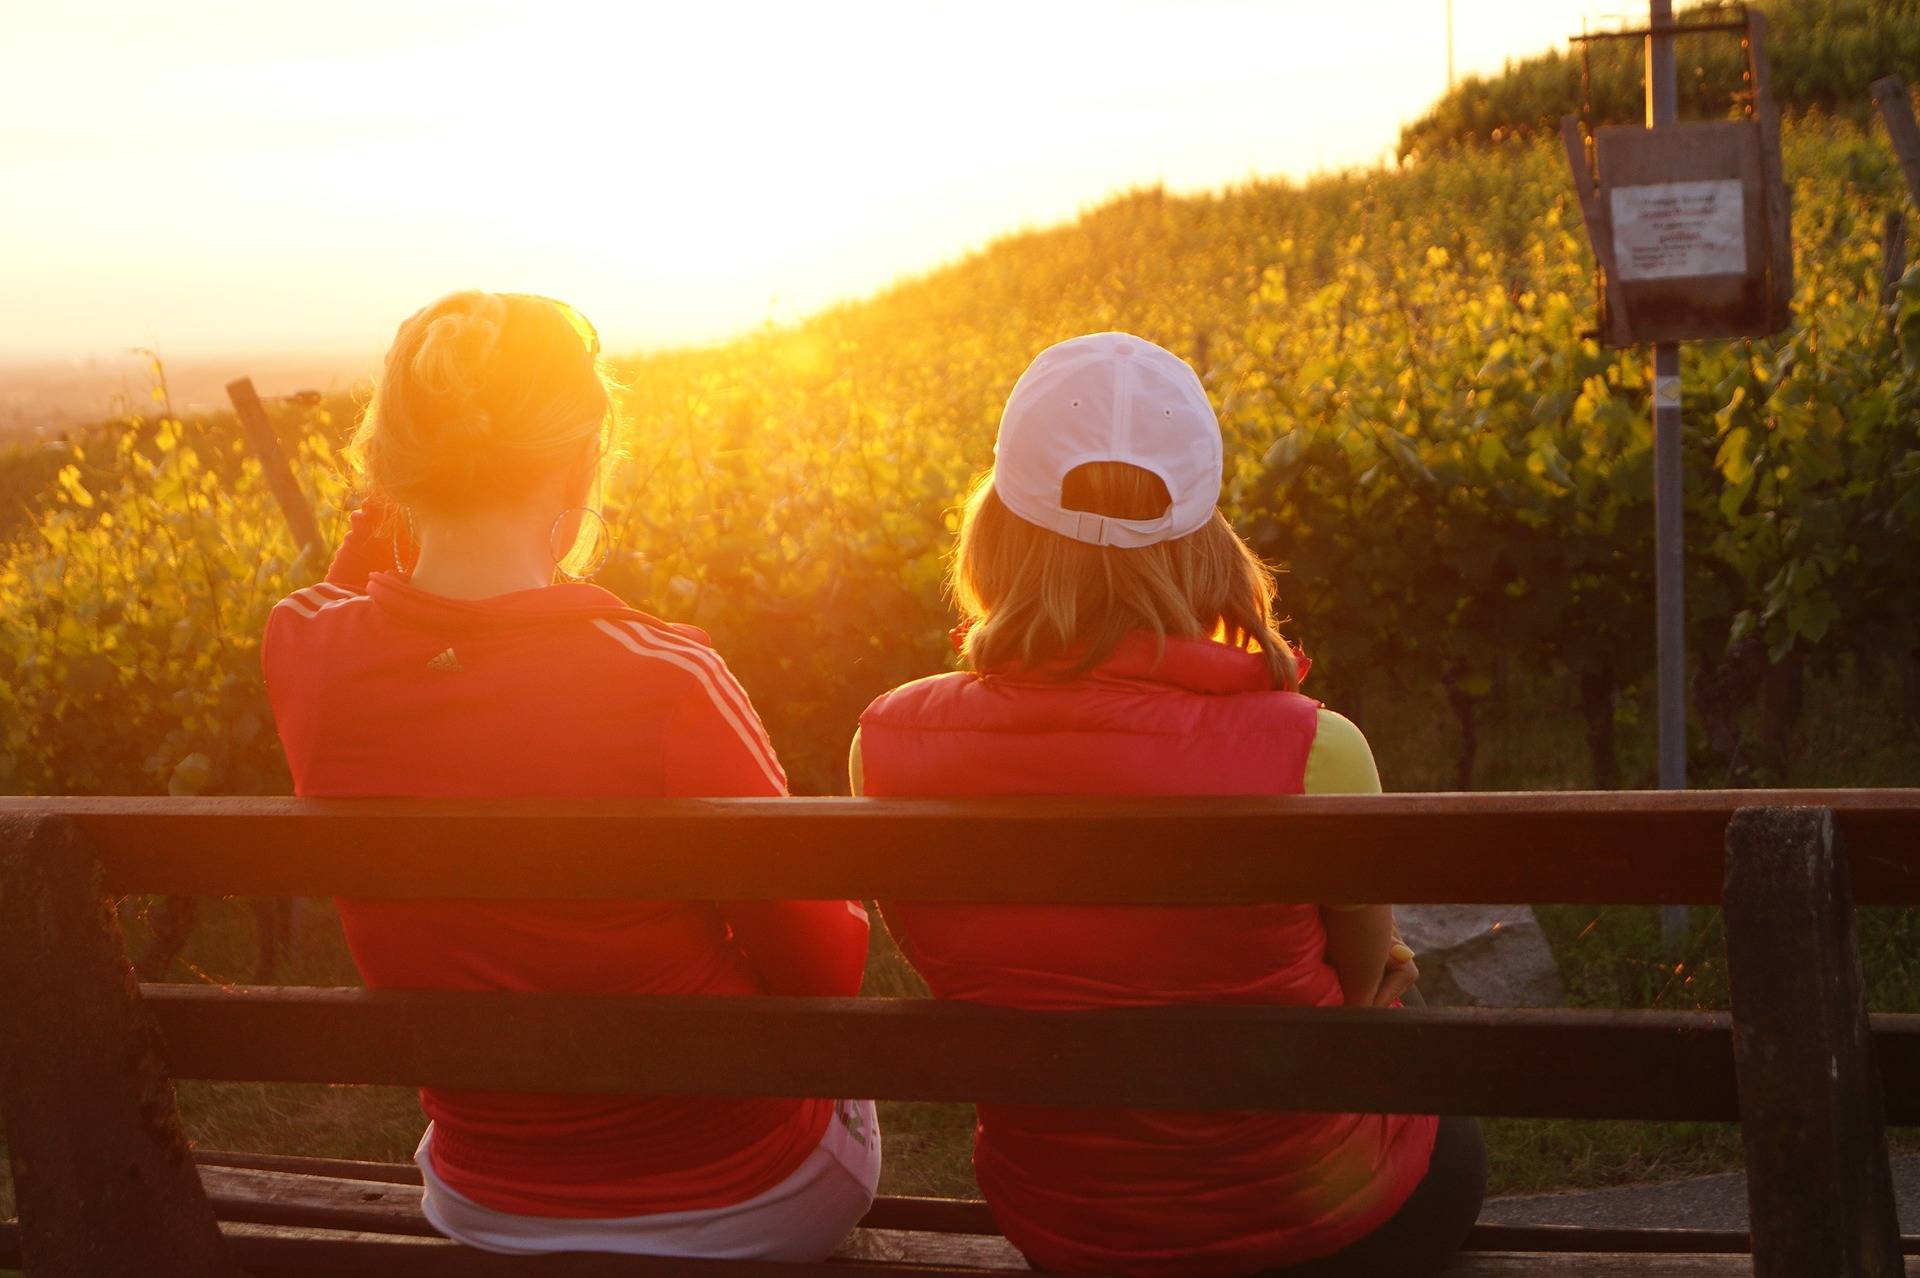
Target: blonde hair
<point>483,397</point>
<point>1034,598</point>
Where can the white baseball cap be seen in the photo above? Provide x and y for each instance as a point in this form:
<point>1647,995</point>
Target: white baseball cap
<point>1108,397</point>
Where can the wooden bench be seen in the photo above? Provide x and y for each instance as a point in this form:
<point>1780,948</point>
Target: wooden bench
<point>106,1183</point>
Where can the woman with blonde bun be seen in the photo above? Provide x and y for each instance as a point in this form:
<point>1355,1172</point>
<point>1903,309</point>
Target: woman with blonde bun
<point>1119,639</point>
<point>454,652</point>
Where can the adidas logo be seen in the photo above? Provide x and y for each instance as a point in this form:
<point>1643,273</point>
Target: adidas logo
<point>446,661</point>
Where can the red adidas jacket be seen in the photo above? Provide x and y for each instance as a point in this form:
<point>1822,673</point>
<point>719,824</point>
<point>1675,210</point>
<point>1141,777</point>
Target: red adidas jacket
<point>382,689</point>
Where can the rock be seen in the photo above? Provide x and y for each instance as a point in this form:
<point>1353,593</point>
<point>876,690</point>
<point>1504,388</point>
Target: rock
<point>1481,955</point>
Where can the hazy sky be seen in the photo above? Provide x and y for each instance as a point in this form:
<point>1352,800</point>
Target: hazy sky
<point>256,177</point>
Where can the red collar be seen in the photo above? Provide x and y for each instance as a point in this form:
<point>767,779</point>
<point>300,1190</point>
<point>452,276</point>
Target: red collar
<point>568,601</point>
<point>1197,665</point>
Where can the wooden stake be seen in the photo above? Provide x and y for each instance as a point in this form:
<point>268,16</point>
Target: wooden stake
<point>1779,194</point>
<point>1896,112</point>
<point>101,1168</point>
<point>273,462</point>
<point>1813,1119</point>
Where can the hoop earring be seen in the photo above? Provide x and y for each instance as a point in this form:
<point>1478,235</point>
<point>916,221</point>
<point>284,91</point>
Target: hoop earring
<point>604,540</point>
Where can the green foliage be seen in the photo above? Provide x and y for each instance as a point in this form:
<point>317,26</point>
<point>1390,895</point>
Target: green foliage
<point>1456,478</point>
<point>27,472</point>
<point>135,602</point>
<point>1445,413</point>
<point>1824,54</point>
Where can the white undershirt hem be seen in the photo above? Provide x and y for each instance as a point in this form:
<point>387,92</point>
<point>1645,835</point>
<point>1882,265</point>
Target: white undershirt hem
<point>803,1218</point>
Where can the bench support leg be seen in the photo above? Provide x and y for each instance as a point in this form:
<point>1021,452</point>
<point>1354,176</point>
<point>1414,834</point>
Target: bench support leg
<point>101,1168</point>
<point>1812,1118</point>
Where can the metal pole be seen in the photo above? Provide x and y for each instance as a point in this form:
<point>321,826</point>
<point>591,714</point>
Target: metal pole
<point>1669,533</point>
<point>1449,46</point>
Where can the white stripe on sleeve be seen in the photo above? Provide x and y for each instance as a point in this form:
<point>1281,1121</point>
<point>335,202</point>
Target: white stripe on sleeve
<point>635,638</point>
<point>723,677</point>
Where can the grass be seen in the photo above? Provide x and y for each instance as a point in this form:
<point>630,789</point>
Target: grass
<point>1609,957</point>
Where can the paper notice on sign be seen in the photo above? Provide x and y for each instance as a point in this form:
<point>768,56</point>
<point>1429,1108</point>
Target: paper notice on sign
<point>1679,228</point>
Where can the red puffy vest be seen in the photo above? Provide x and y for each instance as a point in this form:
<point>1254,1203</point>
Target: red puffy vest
<point>1139,1191</point>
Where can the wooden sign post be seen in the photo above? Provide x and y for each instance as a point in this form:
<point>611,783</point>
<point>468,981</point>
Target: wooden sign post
<point>1691,232</point>
<point>1689,222</point>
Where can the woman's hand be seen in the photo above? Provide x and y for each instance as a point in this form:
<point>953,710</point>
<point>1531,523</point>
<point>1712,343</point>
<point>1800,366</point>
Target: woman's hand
<point>1400,975</point>
<point>373,544</point>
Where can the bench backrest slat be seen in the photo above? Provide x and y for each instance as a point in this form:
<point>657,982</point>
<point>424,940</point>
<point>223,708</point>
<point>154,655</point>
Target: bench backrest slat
<point>1582,1064</point>
<point>1574,848</point>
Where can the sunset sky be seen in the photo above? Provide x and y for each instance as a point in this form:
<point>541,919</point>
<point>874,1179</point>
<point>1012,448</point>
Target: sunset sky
<point>218,178</point>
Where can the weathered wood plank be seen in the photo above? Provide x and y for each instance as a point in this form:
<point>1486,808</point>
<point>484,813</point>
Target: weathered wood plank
<point>311,1253</point>
<point>275,1253</point>
<point>1601,1238</point>
<point>304,1165</point>
<point>319,1200</point>
<point>1474,1061</point>
<point>1487,1061</point>
<point>272,1252</point>
<point>1594,1238</point>
<point>326,1197</point>
<point>1649,848</point>
<point>1601,1265</point>
<point>1819,1190</point>
<point>100,1165</point>
<point>256,1197</point>
<point>906,1247</point>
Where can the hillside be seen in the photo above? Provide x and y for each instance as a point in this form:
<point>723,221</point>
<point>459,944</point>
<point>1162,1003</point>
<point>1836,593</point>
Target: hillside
<point>1824,53</point>
<point>1456,478</point>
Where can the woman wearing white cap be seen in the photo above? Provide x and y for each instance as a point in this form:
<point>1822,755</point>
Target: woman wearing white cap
<point>1119,638</point>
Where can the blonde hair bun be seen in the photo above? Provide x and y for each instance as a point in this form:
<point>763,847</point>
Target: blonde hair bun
<point>484,396</point>
<point>453,353</point>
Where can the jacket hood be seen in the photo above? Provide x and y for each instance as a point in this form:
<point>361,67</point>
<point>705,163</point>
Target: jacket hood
<point>1195,665</point>
<point>568,601</point>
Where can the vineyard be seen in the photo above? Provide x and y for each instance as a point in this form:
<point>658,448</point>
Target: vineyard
<point>1823,52</point>
<point>1455,478</point>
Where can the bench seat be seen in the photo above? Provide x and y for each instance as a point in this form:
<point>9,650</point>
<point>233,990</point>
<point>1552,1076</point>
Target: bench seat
<point>283,1251</point>
<point>293,1215</point>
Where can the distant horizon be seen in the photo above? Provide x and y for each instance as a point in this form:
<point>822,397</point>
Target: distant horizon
<point>372,353</point>
<point>197,379</point>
